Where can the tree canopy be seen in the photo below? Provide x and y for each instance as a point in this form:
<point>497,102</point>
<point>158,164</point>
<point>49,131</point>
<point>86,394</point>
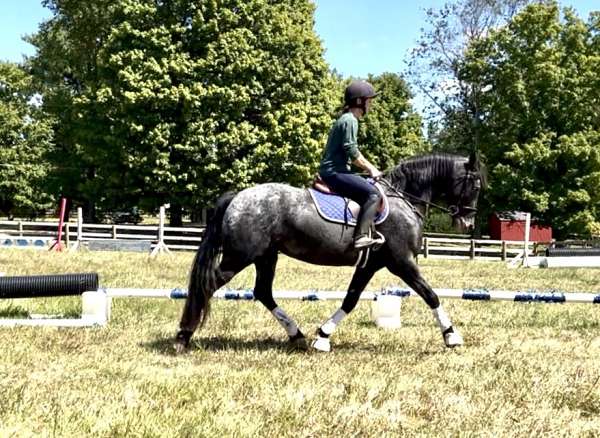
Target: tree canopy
<point>25,141</point>
<point>392,130</point>
<point>540,115</point>
<point>178,101</point>
<point>452,102</point>
<point>145,102</point>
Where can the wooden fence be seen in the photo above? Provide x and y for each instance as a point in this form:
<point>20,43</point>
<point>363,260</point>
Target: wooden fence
<point>42,234</point>
<point>176,238</point>
<point>471,249</point>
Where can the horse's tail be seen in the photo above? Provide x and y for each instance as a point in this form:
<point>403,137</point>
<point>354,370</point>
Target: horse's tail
<point>203,278</point>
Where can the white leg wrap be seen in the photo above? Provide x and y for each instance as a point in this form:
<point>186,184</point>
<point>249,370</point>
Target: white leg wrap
<point>286,322</point>
<point>329,327</point>
<point>442,318</point>
<point>322,344</point>
<point>451,339</point>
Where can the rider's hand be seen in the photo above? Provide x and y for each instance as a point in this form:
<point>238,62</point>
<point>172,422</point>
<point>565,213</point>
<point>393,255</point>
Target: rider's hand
<point>375,174</point>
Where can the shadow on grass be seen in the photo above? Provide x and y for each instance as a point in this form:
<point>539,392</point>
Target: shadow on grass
<point>165,346</point>
<point>220,343</point>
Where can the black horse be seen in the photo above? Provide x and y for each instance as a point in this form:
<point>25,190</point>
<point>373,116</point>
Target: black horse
<point>253,226</point>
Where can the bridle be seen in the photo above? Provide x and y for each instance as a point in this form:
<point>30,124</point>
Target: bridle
<point>456,210</point>
<point>452,210</point>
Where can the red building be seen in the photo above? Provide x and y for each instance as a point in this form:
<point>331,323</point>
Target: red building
<point>510,225</point>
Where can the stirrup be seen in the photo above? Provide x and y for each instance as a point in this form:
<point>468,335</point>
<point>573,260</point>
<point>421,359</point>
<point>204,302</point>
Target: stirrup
<point>365,241</point>
<point>379,240</point>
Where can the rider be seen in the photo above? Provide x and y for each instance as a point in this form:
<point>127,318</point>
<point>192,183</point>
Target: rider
<point>341,150</point>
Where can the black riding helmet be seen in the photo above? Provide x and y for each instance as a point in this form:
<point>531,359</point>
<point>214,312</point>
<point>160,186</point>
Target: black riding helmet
<point>358,89</point>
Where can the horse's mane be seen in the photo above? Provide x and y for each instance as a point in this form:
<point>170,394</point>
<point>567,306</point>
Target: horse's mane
<point>423,169</point>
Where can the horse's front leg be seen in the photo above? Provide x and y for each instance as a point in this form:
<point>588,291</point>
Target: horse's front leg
<point>360,279</point>
<point>408,271</point>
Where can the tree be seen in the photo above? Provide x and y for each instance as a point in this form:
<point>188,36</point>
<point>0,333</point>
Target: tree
<point>67,70</point>
<point>392,129</point>
<point>540,115</point>
<point>25,140</point>
<point>179,101</point>
<point>453,109</point>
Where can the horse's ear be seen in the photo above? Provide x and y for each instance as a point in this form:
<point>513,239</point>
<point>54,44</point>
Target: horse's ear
<point>473,163</point>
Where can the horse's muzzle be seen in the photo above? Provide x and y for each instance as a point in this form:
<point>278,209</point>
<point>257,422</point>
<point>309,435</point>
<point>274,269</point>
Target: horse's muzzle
<point>463,224</point>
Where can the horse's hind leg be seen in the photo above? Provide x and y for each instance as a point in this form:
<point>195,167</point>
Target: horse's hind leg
<point>408,271</point>
<point>197,306</point>
<point>263,292</point>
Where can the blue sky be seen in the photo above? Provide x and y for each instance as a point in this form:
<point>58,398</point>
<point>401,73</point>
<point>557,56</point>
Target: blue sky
<point>360,36</point>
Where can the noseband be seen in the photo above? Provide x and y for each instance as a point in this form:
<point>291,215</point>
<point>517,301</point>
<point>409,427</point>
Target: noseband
<point>456,210</point>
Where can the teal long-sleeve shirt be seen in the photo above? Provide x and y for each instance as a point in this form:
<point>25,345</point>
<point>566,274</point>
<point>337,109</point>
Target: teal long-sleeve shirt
<point>342,146</point>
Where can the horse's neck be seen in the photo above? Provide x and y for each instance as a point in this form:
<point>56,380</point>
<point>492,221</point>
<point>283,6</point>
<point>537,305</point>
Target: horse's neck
<point>426,183</point>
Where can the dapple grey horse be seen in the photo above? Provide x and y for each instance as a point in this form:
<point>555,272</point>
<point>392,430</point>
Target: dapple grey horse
<point>255,225</point>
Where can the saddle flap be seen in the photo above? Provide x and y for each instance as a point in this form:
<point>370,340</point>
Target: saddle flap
<point>335,208</point>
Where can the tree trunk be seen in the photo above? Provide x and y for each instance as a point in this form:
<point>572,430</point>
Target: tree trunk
<point>176,218</point>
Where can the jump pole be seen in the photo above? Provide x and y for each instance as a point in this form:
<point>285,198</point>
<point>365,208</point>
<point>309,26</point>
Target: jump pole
<point>523,296</point>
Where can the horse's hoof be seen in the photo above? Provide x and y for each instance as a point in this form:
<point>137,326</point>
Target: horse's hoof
<point>453,339</point>
<point>182,341</point>
<point>322,344</point>
<point>299,344</point>
<point>179,348</point>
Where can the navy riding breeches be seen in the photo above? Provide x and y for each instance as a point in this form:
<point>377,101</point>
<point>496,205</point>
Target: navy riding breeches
<point>351,186</point>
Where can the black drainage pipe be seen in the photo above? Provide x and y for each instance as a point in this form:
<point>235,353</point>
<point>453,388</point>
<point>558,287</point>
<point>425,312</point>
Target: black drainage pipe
<point>34,286</point>
<point>572,252</point>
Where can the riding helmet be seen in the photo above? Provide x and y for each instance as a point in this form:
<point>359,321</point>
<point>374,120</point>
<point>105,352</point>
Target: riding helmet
<point>358,89</point>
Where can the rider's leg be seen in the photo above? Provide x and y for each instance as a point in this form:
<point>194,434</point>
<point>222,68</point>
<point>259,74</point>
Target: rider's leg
<point>365,220</point>
<point>368,197</point>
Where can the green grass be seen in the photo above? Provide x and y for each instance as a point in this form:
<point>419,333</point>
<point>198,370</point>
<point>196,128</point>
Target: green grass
<point>526,369</point>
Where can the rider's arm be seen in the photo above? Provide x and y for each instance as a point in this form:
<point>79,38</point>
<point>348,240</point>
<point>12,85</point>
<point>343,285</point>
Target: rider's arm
<point>350,146</point>
<point>364,164</point>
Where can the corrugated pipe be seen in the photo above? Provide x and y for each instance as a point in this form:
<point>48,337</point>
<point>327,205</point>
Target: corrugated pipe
<point>572,252</point>
<point>33,286</point>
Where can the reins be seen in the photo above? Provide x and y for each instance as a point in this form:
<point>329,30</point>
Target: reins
<point>452,210</point>
<point>403,195</point>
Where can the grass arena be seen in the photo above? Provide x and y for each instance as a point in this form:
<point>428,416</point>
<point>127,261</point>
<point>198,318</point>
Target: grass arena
<point>527,368</point>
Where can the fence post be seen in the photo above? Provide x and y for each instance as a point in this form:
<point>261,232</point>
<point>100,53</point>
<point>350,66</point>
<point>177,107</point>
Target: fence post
<point>114,232</point>
<point>425,247</point>
<point>526,243</point>
<point>67,234</point>
<point>20,228</point>
<point>503,256</point>
<point>472,250</point>
<point>160,245</point>
<point>79,230</point>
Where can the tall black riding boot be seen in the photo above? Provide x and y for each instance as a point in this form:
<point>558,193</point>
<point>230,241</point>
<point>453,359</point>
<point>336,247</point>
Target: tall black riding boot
<point>365,221</point>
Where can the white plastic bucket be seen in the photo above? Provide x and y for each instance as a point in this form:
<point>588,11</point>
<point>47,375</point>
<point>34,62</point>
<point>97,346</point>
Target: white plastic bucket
<point>95,306</point>
<point>386,311</point>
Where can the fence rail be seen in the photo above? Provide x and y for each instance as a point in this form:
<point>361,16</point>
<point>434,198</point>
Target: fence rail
<point>471,249</point>
<point>188,238</point>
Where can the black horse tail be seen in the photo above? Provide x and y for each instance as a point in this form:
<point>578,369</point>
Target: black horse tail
<point>203,278</point>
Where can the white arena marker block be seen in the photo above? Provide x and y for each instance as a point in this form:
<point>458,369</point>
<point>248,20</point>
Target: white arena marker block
<point>386,311</point>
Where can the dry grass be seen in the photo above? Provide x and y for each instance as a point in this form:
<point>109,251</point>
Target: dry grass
<point>526,369</point>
